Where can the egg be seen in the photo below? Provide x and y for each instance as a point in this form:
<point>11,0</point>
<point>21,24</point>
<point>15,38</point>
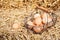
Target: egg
<point>15,25</point>
<point>38,29</point>
<point>38,21</point>
<point>30,24</point>
<point>45,17</point>
<point>37,15</point>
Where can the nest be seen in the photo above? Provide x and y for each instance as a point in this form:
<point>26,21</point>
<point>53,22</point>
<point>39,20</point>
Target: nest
<point>40,20</point>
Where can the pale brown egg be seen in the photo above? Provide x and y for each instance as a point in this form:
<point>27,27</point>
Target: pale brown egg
<point>37,29</point>
<point>46,18</point>
<point>49,18</point>
<point>15,25</point>
<point>38,21</point>
<point>37,16</point>
<point>30,24</point>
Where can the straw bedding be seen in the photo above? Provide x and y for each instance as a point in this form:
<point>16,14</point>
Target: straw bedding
<point>15,11</point>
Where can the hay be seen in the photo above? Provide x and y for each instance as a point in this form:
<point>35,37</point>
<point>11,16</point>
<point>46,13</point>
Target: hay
<point>15,11</point>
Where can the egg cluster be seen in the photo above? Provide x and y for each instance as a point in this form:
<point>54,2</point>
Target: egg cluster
<point>39,22</point>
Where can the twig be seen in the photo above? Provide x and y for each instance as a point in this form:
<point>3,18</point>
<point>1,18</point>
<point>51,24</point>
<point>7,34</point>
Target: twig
<point>44,9</point>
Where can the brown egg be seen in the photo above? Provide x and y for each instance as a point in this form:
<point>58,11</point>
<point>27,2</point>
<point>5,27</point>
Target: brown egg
<point>37,29</point>
<point>49,18</point>
<point>15,25</point>
<point>38,20</point>
<point>30,24</point>
<point>37,16</point>
<point>45,19</point>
